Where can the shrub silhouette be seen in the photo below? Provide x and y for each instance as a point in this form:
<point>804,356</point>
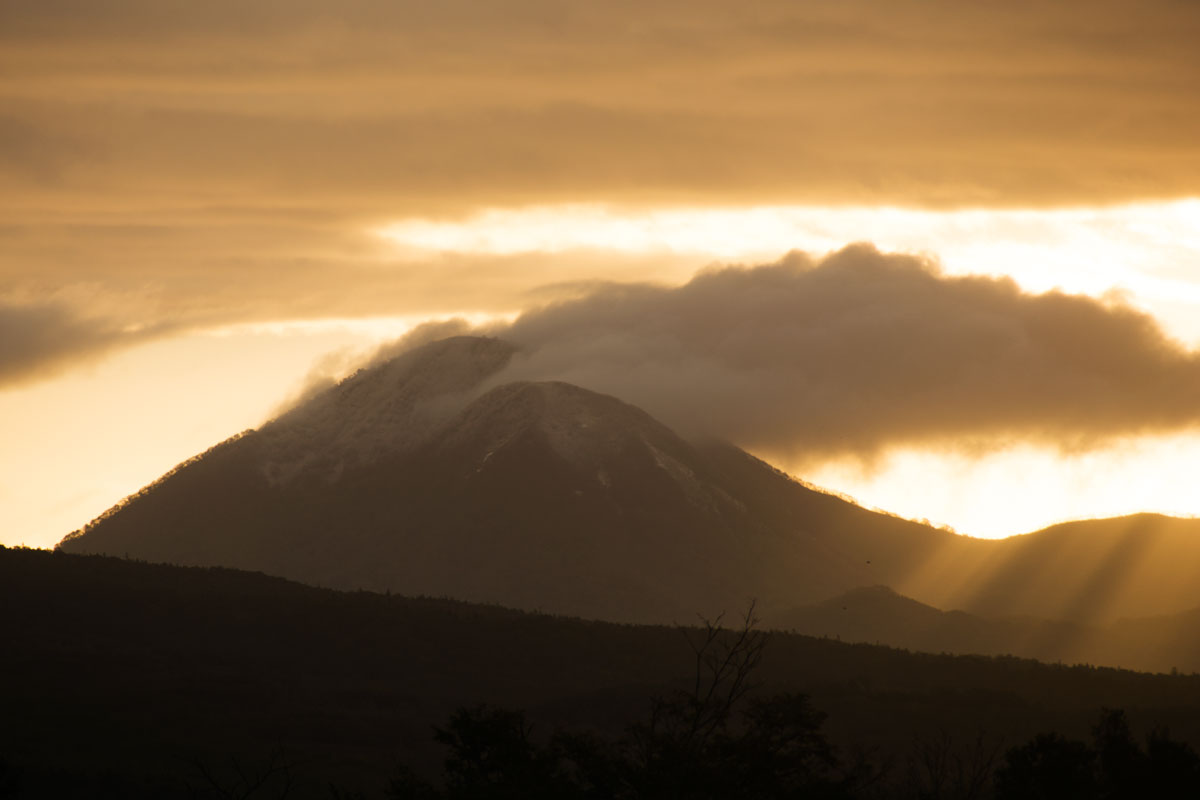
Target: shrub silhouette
<point>1114,767</point>
<point>1174,767</point>
<point>1049,767</point>
<point>492,755</point>
<point>10,782</point>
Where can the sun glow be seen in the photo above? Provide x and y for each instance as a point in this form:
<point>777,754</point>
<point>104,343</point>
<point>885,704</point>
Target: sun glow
<point>1021,488</point>
<point>1144,253</point>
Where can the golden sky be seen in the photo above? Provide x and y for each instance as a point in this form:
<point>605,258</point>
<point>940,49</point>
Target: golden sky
<point>206,205</point>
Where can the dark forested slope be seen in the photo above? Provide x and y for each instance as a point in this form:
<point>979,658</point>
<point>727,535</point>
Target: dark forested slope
<point>139,675</point>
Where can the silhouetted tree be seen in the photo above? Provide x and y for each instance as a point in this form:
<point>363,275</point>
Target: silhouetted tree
<point>491,756</point>
<point>782,753</point>
<point>10,782</point>
<point>937,770</point>
<point>1123,766</point>
<point>672,752</point>
<point>1174,767</point>
<point>406,785</point>
<point>270,779</point>
<point>1050,767</point>
<point>772,748</point>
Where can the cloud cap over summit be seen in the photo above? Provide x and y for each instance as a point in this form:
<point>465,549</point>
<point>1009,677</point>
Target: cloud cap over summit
<point>863,350</point>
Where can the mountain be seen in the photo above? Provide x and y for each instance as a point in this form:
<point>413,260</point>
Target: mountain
<point>428,474</point>
<point>415,477</point>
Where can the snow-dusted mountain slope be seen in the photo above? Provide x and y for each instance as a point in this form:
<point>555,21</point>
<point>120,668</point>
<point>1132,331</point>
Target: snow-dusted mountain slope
<point>385,410</point>
<point>413,476</point>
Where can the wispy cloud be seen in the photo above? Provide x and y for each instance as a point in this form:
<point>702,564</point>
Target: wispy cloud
<point>39,339</point>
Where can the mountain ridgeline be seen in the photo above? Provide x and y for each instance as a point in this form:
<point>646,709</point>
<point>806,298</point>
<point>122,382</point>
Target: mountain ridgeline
<point>429,474</point>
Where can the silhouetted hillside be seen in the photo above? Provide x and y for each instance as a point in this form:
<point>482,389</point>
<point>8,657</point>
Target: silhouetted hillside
<point>1090,570</point>
<point>134,674</point>
<point>879,615</point>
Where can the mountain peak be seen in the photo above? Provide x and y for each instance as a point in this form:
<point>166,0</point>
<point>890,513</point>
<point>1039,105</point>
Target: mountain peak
<point>575,422</point>
<point>383,409</point>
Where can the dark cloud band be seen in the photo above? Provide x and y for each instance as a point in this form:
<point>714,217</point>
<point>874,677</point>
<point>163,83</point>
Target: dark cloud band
<point>39,339</point>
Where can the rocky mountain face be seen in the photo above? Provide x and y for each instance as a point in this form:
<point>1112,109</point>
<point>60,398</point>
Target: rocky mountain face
<point>429,474</point>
